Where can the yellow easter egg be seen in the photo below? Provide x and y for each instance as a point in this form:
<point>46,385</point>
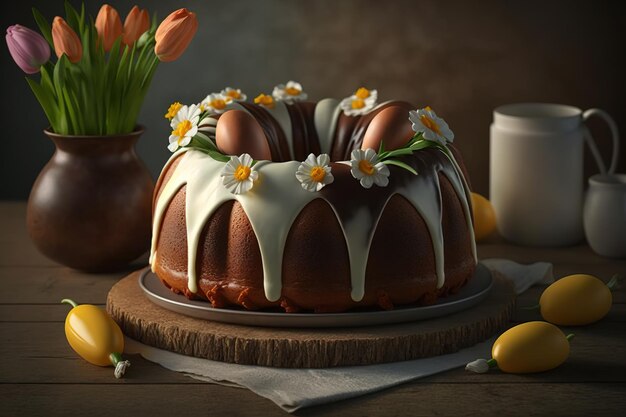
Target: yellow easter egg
<point>93,334</point>
<point>484,217</point>
<point>535,346</point>
<point>576,300</point>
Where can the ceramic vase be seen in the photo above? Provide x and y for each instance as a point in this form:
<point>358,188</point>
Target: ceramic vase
<point>90,207</point>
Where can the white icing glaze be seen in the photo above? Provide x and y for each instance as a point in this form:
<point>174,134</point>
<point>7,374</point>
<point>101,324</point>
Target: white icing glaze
<point>465,192</point>
<point>325,119</point>
<point>277,198</point>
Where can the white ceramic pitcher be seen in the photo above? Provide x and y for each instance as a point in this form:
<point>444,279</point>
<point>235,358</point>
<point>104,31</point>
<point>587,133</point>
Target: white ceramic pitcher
<point>536,171</point>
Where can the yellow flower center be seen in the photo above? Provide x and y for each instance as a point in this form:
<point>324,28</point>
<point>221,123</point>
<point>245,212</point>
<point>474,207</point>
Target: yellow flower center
<point>362,93</point>
<point>264,100</point>
<point>181,129</point>
<point>234,94</point>
<point>172,110</point>
<point>358,103</point>
<point>318,174</point>
<point>242,173</point>
<point>292,91</point>
<point>366,167</point>
<point>218,104</point>
<point>430,123</point>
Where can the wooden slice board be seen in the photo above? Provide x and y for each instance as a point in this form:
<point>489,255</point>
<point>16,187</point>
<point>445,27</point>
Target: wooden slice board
<point>148,323</point>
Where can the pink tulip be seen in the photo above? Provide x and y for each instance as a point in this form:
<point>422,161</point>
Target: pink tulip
<point>28,48</point>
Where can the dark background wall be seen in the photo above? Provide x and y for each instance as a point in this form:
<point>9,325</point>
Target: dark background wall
<point>461,57</point>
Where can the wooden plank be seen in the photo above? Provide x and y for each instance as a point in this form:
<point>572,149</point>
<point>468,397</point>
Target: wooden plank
<point>123,399</point>
<point>39,353</point>
<point>571,399</point>
<point>581,253</point>
<point>525,399</point>
<point>33,312</point>
<point>16,248</point>
<point>49,285</point>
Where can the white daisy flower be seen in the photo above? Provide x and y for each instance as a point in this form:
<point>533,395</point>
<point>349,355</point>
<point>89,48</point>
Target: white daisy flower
<point>314,173</point>
<point>185,125</point>
<point>361,102</point>
<point>233,94</point>
<point>238,175</point>
<point>289,93</point>
<point>432,127</point>
<point>367,169</point>
<point>215,103</point>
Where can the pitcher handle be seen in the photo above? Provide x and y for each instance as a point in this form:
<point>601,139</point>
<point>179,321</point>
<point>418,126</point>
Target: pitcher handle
<point>592,145</point>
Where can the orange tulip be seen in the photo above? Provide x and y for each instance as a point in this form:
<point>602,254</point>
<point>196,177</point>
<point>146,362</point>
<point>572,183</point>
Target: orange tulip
<point>137,22</point>
<point>174,34</point>
<point>108,26</point>
<point>66,41</point>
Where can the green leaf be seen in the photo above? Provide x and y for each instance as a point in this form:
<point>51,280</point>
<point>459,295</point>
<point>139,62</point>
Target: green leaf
<point>401,165</point>
<point>74,120</point>
<point>82,17</point>
<point>44,26</point>
<point>153,24</point>
<point>46,100</point>
<point>422,144</point>
<point>381,148</point>
<point>46,82</point>
<point>59,74</point>
<point>399,152</point>
<point>213,154</point>
<point>72,17</point>
<point>205,141</point>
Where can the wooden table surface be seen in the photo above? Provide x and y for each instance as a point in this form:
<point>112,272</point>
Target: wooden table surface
<point>41,376</point>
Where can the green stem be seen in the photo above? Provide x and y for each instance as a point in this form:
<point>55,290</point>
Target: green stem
<point>70,302</point>
<point>120,365</point>
<point>613,282</point>
<point>492,363</point>
<point>115,358</point>
<point>535,307</point>
<point>570,336</point>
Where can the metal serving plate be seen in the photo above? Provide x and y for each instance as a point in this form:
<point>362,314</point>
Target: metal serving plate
<point>471,294</point>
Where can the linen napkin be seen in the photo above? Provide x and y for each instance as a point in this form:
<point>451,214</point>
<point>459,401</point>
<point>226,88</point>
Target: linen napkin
<point>321,386</point>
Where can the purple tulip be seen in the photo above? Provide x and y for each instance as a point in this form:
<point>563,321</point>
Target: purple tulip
<point>28,48</point>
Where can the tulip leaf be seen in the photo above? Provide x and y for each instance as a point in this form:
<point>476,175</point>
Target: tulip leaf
<point>81,19</point>
<point>75,122</point>
<point>46,82</point>
<point>72,17</point>
<point>46,100</point>
<point>44,26</point>
<point>59,74</point>
<point>153,24</point>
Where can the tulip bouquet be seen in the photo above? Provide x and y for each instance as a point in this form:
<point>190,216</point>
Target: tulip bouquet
<point>103,68</point>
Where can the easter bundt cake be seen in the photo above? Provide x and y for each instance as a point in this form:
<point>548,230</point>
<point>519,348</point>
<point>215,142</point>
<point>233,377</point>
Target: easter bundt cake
<point>297,206</point>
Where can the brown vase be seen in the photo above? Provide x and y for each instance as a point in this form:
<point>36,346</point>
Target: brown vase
<point>90,207</point>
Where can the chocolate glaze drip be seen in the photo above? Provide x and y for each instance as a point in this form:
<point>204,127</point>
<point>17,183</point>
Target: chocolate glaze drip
<point>428,163</point>
<point>304,134</point>
<point>275,136</point>
<point>351,130</point>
